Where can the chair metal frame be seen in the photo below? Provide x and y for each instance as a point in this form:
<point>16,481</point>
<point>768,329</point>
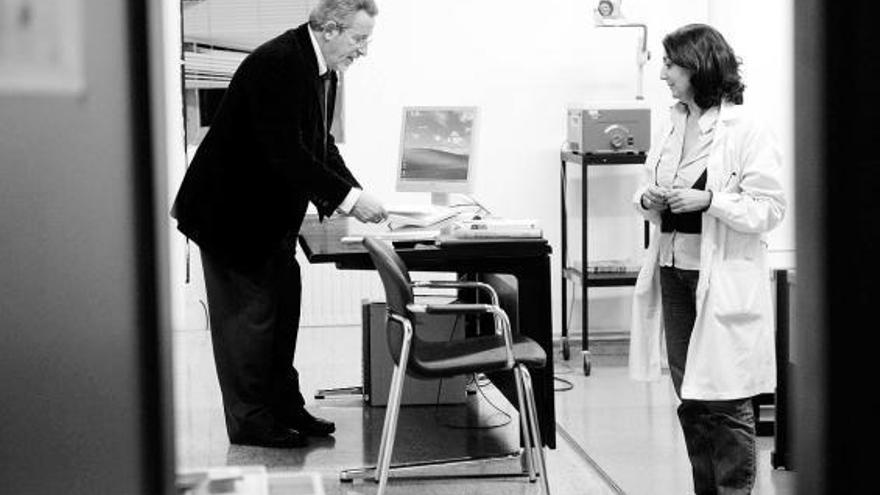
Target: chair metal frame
<point>532,455</point>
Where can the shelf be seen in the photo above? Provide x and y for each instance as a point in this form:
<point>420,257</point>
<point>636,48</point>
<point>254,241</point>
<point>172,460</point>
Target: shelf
<point>604,158</point>
<point>602,279</point>
<point>599,276</point>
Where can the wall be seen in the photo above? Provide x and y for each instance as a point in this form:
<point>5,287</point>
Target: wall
<point>522,66</point>
<point>77,404</point>
<point>768,72</point>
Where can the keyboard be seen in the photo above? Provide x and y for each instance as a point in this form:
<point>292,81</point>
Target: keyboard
<point>397,236</point>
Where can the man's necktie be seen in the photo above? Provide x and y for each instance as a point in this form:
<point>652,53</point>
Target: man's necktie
<point>325,95</point>
<point>325,105</point>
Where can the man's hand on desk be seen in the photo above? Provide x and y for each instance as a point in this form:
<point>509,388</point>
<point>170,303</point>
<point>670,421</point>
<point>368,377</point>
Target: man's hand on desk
<point>369,209</point>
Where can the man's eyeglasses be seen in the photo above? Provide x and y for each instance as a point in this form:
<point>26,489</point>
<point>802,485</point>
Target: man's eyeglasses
<point>359,40</point>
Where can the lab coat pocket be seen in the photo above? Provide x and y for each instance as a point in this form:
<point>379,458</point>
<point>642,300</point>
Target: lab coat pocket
<point>735,292</point>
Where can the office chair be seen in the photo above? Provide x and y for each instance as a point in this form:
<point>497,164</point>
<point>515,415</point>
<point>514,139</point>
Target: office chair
<point>482,354</point>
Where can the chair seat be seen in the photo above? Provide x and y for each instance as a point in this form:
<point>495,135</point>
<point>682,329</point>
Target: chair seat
<point>478,354</point>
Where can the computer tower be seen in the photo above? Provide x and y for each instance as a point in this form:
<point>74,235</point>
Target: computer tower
<point>378,365</point>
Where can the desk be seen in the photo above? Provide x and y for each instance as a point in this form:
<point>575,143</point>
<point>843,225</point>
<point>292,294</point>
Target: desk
<point>528,261</point>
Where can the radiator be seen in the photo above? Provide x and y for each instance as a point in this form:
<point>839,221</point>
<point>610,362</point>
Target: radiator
<point>333,297</point>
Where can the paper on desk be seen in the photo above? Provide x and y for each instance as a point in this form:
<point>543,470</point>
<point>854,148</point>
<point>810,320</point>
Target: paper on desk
<point>423,216</point>
<point>496,228</point>
<point>497,233</point>
<point>498,223</point>
<point>411,209</point>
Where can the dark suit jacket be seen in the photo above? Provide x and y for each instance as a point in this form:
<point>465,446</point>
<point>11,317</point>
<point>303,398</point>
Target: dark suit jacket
<point>264,157</point>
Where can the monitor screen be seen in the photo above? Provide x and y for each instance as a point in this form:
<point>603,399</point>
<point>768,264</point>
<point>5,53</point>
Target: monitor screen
<point>437,149</point>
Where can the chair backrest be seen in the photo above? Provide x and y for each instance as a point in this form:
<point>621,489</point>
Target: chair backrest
<point>394,275</point>
<point>398,289</point>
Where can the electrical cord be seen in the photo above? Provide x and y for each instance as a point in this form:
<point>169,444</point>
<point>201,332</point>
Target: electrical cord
<point>448,424</point>
<point>480,205</point>
<point>567,385</point>
<point>566,369</point>
<point>476,381</point>
<point>474,202</point>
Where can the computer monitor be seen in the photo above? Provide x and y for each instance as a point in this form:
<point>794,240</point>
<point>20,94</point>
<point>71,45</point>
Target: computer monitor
<point>437,147</point>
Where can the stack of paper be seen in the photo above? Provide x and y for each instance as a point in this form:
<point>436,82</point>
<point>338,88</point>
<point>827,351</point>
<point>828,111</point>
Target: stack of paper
<point>497,228</point>
<point>418,216</point>
<point>613,266</point>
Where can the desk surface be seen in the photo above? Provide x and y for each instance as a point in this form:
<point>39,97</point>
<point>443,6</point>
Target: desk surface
<point>321,242</point>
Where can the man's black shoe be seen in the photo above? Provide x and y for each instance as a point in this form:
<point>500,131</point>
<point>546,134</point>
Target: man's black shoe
<point>276,438</point>
<point>309,425</point>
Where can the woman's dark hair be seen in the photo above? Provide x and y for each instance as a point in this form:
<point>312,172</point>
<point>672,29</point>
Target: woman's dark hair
<point>714,68</point>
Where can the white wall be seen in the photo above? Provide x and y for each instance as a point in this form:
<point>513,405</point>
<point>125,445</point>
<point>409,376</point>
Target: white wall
<point>762,34</point>
<point>522,64</point>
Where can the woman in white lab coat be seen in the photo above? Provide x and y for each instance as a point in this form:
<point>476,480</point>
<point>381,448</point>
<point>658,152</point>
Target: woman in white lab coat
<point>712,192</point>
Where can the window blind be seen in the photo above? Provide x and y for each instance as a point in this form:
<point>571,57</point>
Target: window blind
<point>218,34</point>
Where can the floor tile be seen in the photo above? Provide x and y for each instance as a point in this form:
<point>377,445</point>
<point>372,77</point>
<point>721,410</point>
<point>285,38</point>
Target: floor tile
<point>424,432</point>
<point>615,435</point>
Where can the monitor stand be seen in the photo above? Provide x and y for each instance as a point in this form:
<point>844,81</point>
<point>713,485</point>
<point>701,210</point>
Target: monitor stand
<point>440,199</point>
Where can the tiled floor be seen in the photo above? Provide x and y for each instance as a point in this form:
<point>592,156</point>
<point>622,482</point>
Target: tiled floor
<point>615,435</point>
<point>631,430</point>
<point>424,432</point>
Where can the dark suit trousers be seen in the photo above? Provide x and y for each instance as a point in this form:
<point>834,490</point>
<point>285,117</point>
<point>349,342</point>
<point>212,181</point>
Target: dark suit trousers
<point>254,316</point>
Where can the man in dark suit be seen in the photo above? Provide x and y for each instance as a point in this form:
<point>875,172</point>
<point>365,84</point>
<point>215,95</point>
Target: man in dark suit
<point>268,154</point>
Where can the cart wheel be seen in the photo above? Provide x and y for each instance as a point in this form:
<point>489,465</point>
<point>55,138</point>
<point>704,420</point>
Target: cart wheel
<point>586,355</point>
<point>566,349</point>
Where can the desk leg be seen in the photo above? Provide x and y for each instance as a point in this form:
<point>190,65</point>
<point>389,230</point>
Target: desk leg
<point>530,315</point>
<point>536,321</point>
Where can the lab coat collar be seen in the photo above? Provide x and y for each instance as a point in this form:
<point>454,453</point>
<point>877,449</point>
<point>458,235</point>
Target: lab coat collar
<point>679,112</point>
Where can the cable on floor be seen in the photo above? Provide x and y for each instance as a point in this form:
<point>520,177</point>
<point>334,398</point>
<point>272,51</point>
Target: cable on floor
<point>477,381</point>
<point>566,385</point>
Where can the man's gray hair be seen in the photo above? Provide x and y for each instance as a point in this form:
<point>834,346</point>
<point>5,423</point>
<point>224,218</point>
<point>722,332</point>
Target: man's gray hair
<point>339,11</point>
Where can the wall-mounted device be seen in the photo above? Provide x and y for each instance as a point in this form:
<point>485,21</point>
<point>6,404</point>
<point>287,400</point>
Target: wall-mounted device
<point>608,9</point>
<point>601,130</point>
<point>607,13</point>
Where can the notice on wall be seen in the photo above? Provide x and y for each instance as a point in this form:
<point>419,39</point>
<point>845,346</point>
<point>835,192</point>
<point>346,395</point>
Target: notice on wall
<point>41,46</point>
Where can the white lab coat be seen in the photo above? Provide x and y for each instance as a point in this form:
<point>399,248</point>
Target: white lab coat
<point>731,353</point>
